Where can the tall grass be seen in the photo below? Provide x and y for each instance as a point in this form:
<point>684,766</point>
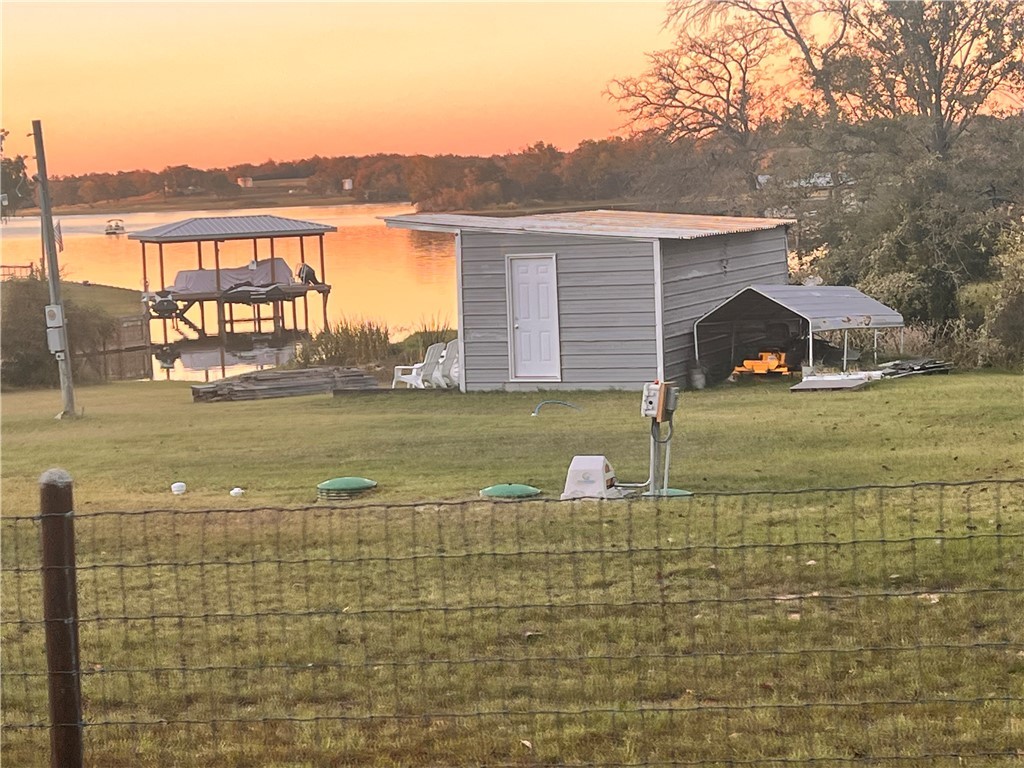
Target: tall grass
<point>349,343</point>
<point>432,330</point>
<point>965,345</point>
<point>367,344</point>
<point>957,341</point>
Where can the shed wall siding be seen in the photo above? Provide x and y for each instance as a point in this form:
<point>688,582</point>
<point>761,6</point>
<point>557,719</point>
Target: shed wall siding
<point>605,305</point>
<point>698,275</point>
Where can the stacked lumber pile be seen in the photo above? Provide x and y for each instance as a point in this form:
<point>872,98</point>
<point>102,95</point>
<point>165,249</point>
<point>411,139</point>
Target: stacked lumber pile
<point>259,385</point>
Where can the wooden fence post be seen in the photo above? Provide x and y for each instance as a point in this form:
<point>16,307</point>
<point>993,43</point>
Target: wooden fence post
<point>60,615</point>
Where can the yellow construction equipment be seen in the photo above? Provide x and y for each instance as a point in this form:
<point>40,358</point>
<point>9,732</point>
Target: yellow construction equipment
<point>767,362</point>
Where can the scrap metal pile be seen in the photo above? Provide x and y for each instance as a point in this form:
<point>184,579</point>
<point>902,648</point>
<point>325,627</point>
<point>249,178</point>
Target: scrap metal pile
<point>920,366</point>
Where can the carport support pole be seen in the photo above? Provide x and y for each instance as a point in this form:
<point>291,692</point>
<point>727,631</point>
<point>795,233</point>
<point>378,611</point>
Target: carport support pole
<point>60,618</point>
<point>876,346</point>
<point>846,339</point>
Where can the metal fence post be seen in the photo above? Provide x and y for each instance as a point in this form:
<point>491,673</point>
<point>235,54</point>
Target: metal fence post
<point>60,614</point>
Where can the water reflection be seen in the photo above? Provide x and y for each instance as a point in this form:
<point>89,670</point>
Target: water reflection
<point>398,278</point>
<point>206,358</point>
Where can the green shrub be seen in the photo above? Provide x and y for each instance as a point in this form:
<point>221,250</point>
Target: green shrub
<point>1004,319</point>
<point>27,360</point>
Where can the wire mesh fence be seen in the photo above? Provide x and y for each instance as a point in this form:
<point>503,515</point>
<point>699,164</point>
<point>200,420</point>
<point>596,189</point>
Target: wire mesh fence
<point>876,625</point>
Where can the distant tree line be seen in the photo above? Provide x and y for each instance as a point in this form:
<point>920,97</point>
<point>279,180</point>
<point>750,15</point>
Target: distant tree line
<point>596,170</point>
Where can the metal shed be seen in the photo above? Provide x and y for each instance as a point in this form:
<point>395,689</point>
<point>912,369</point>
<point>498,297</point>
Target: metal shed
<point>595,299</point>
<point>804,310</point>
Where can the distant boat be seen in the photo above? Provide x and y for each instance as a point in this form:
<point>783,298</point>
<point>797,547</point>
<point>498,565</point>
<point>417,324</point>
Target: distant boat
<point>114,227</point>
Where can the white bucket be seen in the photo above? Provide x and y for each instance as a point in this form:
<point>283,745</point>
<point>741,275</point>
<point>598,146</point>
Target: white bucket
<point>697,378</point>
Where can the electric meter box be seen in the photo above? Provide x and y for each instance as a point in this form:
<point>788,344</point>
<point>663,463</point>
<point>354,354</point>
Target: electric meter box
<point>54,316</point>
<point>591,477</point>
<point>56,340</point>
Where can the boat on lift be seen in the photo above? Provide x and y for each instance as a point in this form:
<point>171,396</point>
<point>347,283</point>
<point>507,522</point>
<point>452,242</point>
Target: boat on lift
<point>114,227</point>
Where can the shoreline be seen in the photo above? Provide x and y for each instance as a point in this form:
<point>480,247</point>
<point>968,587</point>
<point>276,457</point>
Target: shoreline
<point>149,204</point>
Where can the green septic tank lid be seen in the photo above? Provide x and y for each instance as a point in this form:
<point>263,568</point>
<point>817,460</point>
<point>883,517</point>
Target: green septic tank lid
<point>343,487</point>
<point>510,491</point>
<point>676,492</point>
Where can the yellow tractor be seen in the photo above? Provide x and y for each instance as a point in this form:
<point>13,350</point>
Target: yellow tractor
<point>772,361</point>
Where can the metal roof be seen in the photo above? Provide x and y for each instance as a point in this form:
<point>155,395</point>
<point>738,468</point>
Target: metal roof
<point>229,228</point>
<point>638,224</point>
<point>824,307</point>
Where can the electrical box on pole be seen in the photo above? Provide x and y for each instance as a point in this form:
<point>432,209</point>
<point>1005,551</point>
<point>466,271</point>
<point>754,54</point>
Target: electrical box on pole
<point>56,334</point>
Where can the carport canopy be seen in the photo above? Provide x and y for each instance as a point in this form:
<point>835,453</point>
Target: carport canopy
<point>821,307</point>
<point>824,307</point>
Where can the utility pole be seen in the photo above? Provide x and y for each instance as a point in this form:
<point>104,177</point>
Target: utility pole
<point>56,326</point>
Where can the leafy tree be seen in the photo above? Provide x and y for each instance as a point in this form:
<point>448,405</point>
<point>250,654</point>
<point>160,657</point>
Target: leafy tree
<point>917,229</point>
<point>707,86</point>
<point>91,191</point>
<point>533,172</point>
<point>939,62</point>
<point>222,186</point>
<point>814,33</point>
<point>178,178</point>
<point>600,170</point>
<point>15,185</point>
<point>381,178</point>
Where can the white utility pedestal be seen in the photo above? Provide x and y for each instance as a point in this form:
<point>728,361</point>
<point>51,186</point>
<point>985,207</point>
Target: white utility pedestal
<point>591,477</point>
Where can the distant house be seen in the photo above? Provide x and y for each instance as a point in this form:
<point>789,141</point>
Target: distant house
<point>595,299</point>
<point>245,182</point>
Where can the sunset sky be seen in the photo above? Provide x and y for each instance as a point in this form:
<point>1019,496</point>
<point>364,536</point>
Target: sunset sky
<point>123,86</point>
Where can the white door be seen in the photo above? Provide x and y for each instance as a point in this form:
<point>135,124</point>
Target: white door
<point>533,314</point>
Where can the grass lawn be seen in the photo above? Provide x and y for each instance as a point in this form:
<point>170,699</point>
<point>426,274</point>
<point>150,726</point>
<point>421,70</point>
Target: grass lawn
<point>137,438</point>
<point>823,628</point>
<point>118,302</point>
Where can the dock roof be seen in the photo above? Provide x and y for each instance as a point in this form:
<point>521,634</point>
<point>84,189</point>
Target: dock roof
<point>637,224</point>
<point>205,229</point>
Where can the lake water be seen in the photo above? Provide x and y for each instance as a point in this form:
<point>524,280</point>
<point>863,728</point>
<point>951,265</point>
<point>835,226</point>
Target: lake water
<point>399,278</point>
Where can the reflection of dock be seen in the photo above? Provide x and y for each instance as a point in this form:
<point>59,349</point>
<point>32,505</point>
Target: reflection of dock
<point>241,295</point>
<point>209,353</point>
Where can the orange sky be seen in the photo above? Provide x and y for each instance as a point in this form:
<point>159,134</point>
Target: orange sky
<point>120,86</point>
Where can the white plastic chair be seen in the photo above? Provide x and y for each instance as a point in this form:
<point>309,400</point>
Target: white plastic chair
<point>447,371</point>
<point>420,375</point>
